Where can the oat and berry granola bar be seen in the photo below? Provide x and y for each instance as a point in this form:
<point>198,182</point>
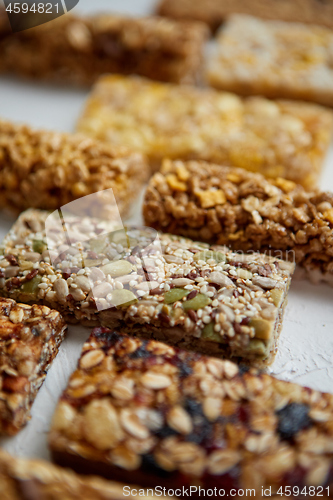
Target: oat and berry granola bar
<point>44,169</point>
<point>29,340</point>
<point>22,479</point>
<point>186,293</point>
<point>145,412</point>
<point>245,211</point>
<point>77,50</point>
<point>213,12</point>
<point>273,58</point>
<point>275,138</point>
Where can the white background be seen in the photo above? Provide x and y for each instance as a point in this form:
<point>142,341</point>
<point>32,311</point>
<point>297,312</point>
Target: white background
<point>306,344</point>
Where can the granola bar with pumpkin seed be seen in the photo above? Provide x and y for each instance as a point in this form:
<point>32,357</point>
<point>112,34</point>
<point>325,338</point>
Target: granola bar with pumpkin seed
<point>186,293</point>
<point>245,211</point>
<point>22,479</point>
<point>47,170</point>
<point>77,50</point>
<point>142,411</point>
<point>29,340</point>
<point>276,138</point>
<point>214,12</point>
<point>274,59</point>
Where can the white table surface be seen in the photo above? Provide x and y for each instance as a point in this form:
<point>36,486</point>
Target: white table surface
<point>306,343</point>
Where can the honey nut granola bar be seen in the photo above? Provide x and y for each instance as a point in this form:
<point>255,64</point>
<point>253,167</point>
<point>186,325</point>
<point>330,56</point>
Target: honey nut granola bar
<point>274,59</point>
<point>245,211</point>
<point>29,340</point>
<point>77,50</point>
<point>213,12</point>
<point>22,479</point>
<point>185,293</point>
<point>47,170</point>
<point>276,138</point>
<point>142,411</point>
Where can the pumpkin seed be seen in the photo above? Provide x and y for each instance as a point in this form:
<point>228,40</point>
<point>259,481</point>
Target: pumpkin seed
<point>123,298</point>
<point>31,286</point>
<point>209,254</point>
<point>276,295</point>
<point>117,268</point>
<point>244,274</point>
<point>175,294</point>
<point>257,347</point>
<point>209,333</point>
<point>262,328</point>
<point>39,246</point>
<point>197,302</point>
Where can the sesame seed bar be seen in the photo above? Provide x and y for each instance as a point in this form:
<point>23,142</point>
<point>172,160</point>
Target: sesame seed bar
<point>185,293</point>
<point>22,479</point>
<point>244,211</point>
<point>44,169</point>
<point>214,12</point>
<point>29,340</point>
<point>145,412</point>
<point>77,50</point>
<point>273,58</point>
<point>276,138</point>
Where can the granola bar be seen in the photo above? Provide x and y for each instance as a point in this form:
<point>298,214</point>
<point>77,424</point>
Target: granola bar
<point>22,479</point>
<point>213,12</point>
<point>142,411</point>
<point>47,170</point>
<point>185,293</point>
<point>77,50</point>
<point>245,211</point>
<point>274,59</point>
<point>29,340</point>
<point>280,138</point>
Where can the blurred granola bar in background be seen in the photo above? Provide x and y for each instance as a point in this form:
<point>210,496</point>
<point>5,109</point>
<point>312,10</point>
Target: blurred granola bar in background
<point>214,12</point>
<point>77,50</point>
<point>276,138</point>
<point>273,58</point>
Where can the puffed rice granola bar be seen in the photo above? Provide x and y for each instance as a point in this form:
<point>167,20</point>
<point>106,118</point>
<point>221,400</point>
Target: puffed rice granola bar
<point>47,170</point>
<point>22,479</point>
<point>274,59</point>
<point>213,12</point>
<point>245,211</point>
<point>29,340</point>
<point>77,50</point>
<point>188,294</point>
<point>142,411</point>
<point>280,138</point>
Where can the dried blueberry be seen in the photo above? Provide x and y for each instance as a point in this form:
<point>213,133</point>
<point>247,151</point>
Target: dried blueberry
<point>141,352</point>
<point>165,432</point>
<point>292,419</point>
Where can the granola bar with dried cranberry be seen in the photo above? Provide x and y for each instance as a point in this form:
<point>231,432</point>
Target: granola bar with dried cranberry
<point>22,479</point>
<point>141,411</point>
<point>30,337</point>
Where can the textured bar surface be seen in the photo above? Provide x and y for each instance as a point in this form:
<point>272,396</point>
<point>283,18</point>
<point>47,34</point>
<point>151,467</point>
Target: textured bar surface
<point>77,50</point>
<point>188,294</point>
<point>22,479</point>
<point>280,138</point>
<point>213,12</point>
<point>244,211</point>
<point>29,340</point>
<point>274,59</point>
<point>143,411</point>
<point>47,170</point>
